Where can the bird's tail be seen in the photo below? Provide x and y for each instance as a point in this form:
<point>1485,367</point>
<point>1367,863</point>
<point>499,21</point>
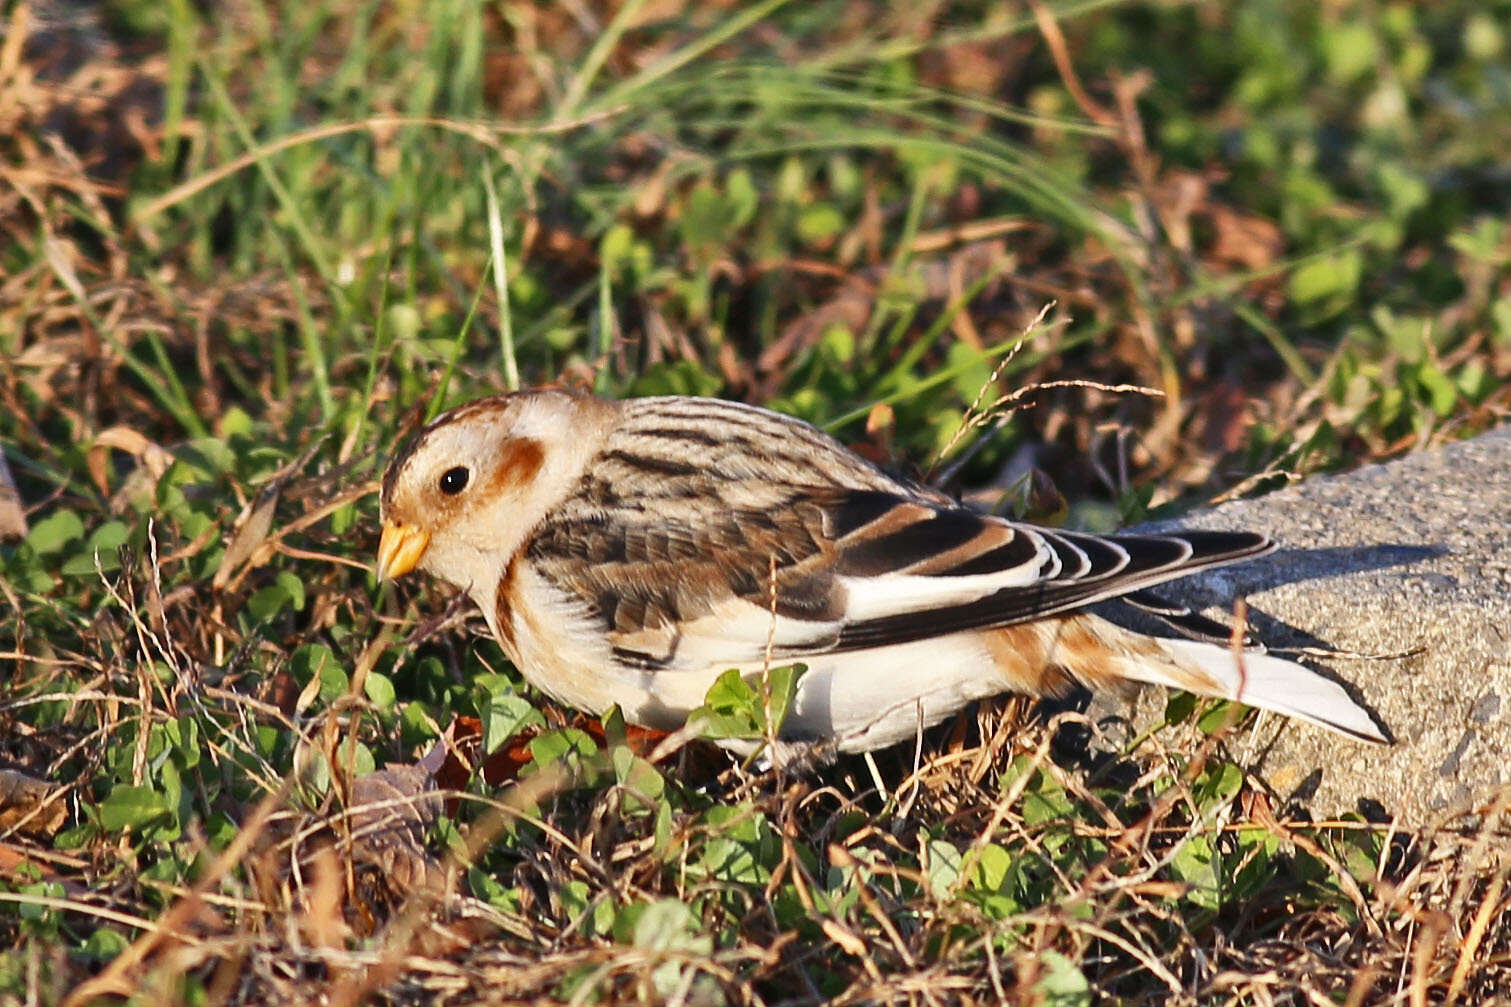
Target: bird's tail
<point>1262,680</point>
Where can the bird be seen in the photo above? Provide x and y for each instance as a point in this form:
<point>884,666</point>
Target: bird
<point>630,552</point>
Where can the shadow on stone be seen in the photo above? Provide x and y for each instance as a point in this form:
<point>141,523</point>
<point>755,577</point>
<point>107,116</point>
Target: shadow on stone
<point>1295,566</point>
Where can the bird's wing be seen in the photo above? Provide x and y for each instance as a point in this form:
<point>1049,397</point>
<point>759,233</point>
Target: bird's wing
<point>985,572</point>
<point>691,578</point>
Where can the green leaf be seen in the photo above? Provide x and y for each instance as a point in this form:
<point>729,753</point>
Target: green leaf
<point>55,531</point>
<point>183,736</point>
<point>486,885</point>
<point>316,659</point>
<point>972,369</point>
<point>566,744</point>
<point>1484,38</point>
<point>104,944</point>
<point>1222,713</point>
<point>293,587</point>
<point>1358,852</point>
<point>1475,382</point>
<point>357,760</point>
<point>1326,279</point>
<point>1061,983</point>
<point>741,848</point>
<point>106,542</point>
<point>992,867</point>
<point>744,199</point>
<point>1198,865</point>
<point>379,690</point>
<point>820,223</point>
<point>616,247</point>
<point>709,219</point>
<point>670,925</point>
<point>234,422</point>
<point>416,723</point>
<point>47,916</point>
<point>1179,708</point>
<point>681,377</point>
<point>642,782</point>
<point>1045,800</point>
<point>1482,242</point>
<point>1218,785</point>
<point>577,901</point>
<point>1351,49</point>
<point>1442,394</point>
<point>1500,314</point>
<point>944,867</point>
<point>615,730</point>
<point>735,706</point>
<point>792,181</point>
<point>731,862</point>
<point>206,458</point>
<point>133,807</point>
<point>267,602</point>
<point>1407,193</point>
<point>505,715</point>
<point>109,536</point>
<point>729,708</point>
<point>781,682</point>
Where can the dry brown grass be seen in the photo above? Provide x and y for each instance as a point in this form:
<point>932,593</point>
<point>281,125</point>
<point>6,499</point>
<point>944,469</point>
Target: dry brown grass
<point>126,335</point>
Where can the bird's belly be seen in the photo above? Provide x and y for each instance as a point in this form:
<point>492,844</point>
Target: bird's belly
<point>858,700</point>
<point>870,699</point>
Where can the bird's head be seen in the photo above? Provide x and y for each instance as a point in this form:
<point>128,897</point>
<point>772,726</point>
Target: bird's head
<point>460,498</point>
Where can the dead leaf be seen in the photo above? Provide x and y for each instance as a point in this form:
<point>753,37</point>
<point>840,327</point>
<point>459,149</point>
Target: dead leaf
<point>392,811</point>
<point>849,308</point>
<point>17,864</point>
<point>250,534</point>
<point>1223,417</point>
<point>12,514</point>
<point>1244,240</point>
<point>1043,502</point>
<point>40,362</point>
<point>29,805</point>
<point>321,919</point>
<point>153,458</point>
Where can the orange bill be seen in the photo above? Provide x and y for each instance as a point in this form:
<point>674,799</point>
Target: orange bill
<point>400,550</point>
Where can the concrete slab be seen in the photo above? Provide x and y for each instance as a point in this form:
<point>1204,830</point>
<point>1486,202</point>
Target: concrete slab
<point>1410,556</point>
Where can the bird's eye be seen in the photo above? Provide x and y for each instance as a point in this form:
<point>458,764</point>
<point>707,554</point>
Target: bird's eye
<point>453,481</point>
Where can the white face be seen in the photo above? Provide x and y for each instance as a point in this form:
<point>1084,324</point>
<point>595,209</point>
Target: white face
<point>460,500</point>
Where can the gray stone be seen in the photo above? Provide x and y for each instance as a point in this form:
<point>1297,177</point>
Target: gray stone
<point>1404,568</point>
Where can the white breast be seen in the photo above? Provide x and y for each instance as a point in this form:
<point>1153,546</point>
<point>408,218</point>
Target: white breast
<point>863,700</point>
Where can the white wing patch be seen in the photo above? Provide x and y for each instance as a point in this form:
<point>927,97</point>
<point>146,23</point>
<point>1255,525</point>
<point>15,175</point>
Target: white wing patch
<point>739,632</point>
<point>900,594</point>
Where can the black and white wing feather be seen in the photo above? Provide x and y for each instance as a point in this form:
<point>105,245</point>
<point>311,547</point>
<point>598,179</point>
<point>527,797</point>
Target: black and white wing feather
<point>692,547</point>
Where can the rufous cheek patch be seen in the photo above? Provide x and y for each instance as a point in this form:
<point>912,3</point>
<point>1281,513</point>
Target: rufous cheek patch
<point>520,461</point>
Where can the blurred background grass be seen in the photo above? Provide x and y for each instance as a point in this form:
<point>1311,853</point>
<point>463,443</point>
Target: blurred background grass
<point>247,244</point>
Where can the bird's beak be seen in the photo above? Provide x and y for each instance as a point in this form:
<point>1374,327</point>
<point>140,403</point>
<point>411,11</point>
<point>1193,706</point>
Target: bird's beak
<point>400,549</point>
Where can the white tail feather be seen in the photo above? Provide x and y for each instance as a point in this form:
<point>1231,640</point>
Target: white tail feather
<point>1270,683</point>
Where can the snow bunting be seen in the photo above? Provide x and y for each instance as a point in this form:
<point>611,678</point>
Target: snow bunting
<point>631,552</point>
